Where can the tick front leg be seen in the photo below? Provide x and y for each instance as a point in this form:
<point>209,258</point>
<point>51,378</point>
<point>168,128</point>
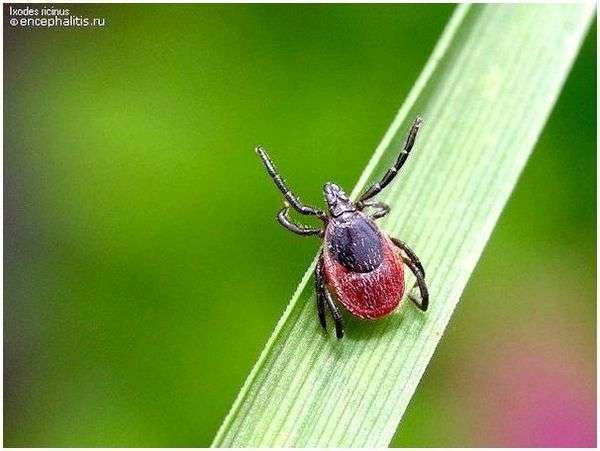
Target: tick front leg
<point>391,173</point>
<point>298,229</point>
<point>323,297</point>
<point>281,185</point>
<point>381,209</point>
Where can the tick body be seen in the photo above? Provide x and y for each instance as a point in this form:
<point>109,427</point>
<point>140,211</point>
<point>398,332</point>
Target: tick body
<point>359,264</point>
<point>361,267</point>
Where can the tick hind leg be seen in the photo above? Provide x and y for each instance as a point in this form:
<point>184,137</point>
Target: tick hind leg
<point>410,253</point>
<point>424,302</point>
<point>412,261</point>
<point>324,299</point>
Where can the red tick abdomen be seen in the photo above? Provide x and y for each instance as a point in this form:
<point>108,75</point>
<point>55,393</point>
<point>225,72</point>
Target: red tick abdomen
<point>368,294</point>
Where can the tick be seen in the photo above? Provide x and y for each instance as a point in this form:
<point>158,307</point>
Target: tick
<point>359,264</point>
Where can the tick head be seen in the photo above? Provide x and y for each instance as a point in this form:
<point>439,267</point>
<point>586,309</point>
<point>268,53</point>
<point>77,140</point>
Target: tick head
<point>337,200</point>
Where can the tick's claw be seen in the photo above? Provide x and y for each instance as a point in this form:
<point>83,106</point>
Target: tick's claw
<point>422,302</point>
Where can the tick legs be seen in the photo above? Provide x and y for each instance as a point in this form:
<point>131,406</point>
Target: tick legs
<point>289,196</point>
<point>424,303</point>
<point>411,254</point>
<point>391,173</point>
<point>381,208</point>
<point>412,261</point>
<point>324,298</point>
<point>298,229</point>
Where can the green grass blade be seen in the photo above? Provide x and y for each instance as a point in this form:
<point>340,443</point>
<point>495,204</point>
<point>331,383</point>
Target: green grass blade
<point>485,95</point>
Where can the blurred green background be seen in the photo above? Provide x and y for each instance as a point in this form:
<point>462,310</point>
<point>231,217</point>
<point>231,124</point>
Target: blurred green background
<point>144,269</point>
